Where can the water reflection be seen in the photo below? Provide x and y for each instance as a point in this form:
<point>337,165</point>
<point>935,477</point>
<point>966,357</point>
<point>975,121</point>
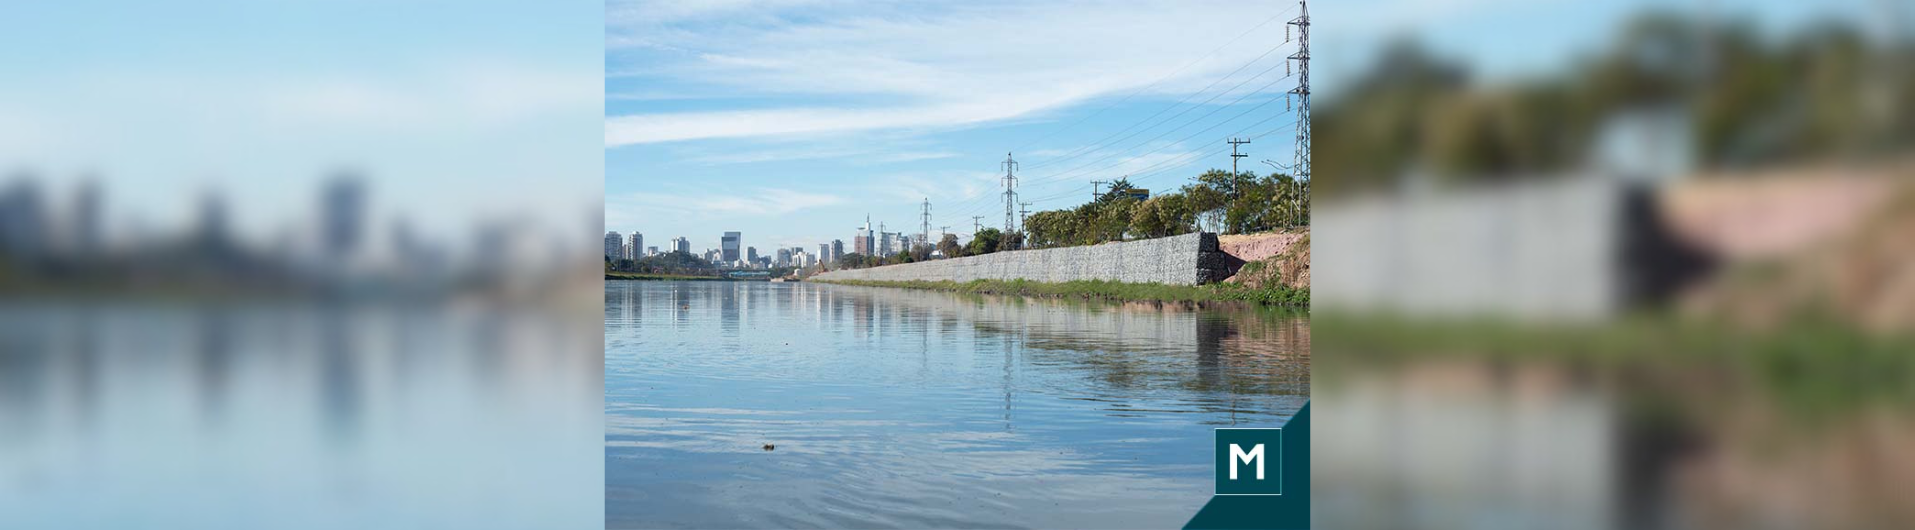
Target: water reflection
<point>1769,431</point>
<point>294,415</point>
<point>920,409</point>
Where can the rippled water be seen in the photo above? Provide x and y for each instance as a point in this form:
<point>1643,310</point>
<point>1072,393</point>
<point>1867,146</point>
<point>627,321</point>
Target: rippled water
<point>281,414</point>
<point>902,408</point>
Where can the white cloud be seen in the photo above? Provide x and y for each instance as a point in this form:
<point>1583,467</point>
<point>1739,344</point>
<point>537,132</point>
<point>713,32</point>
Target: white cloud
<point>944,66</point>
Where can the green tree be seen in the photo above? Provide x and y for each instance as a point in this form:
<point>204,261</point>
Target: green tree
<point>984,242</point>
<point>949,246</point>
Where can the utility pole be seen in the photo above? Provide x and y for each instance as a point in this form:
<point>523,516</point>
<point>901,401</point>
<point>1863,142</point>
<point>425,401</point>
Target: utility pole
<point>1300,170</point>
<point>1094,191</point>
<point>977,224</point>
<point>1234,155</point>
<point>1010,196</point>
<point>924,228</point>
<point>1024,218</point>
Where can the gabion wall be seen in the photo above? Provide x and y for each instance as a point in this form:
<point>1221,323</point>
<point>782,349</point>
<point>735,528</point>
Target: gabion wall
<point>1188,259</point>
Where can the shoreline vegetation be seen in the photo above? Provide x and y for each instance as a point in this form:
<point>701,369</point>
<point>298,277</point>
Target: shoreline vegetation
<point>616,275</point>
<point>1278,295</point>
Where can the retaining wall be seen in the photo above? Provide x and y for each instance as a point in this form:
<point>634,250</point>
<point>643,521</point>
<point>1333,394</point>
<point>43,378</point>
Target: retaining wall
<point>1188,259</point>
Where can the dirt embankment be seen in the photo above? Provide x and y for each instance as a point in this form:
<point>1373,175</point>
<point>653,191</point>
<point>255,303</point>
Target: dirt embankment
<point>1837,245</point>
<point>1270,258</point>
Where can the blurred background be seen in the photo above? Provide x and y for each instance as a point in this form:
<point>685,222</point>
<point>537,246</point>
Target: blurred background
<point>1615,264</point>
<point>308,264</point>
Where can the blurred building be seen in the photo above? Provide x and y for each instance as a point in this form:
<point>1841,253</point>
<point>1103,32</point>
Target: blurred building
<point>680,244</point>
<point>342,217</point>
<point>636,249</point>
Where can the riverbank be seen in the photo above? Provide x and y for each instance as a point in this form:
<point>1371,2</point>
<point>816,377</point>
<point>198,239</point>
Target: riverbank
<point>662,277</point>
<point>1277,295</point>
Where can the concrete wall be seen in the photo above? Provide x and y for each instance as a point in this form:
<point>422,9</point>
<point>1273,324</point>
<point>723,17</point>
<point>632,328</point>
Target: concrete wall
<point>1578,247</point>
<point>1188,259</point>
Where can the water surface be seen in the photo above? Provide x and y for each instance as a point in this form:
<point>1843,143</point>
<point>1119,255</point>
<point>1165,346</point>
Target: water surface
<point>903,408</point>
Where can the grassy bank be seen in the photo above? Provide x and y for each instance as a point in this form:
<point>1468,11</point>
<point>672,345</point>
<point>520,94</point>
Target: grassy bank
<point>1144,292</point>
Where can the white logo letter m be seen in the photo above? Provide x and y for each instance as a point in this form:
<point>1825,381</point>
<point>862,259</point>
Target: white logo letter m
<point>1237,455</point>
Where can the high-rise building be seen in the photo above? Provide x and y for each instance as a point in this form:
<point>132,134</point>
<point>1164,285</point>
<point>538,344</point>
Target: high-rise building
<point>636,249</point>
<point>837,250</point>
<point>824,251</point>
<point>730,245</point>
<point>651,251</point>
<point>342,216</point>
<point>887,243</point>
<point>87,213</point>
<point>614,246</point>
<point>784,257</point>
<point>680,244</point>
<point>751,254</point>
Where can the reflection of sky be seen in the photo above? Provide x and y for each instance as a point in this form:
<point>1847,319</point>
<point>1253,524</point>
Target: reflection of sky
<point>914,409</point>
<point>253,416</point>
<point>453,109</point>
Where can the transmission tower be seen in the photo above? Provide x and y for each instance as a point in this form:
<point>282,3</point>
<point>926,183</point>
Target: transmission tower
<point>924,229</point>
<point>1010,196</point>
<point>1300,169</point>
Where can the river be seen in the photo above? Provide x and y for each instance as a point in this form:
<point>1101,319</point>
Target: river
<point>755,404</point>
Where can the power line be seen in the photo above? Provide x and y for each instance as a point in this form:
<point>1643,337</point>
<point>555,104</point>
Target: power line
<point>1075,170</point>
<point>1180,103</point>
<point>1153,84</point>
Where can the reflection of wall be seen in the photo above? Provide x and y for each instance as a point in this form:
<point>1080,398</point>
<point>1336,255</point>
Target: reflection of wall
<point>1180,260</point>
<point>1464,446</point>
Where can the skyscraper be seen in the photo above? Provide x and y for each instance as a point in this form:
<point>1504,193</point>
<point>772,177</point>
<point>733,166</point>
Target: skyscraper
<point>613,247</point>
<point>729,246</point>
<point>784,257</point>
<point>824,252</point>
<point>637,248</point>
<point>680,244</point>
<point>342,216</point>
<point>751,254</point>
<point>837,249</point>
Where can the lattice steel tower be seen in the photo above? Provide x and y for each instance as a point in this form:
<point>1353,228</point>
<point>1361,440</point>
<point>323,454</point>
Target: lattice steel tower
<point>1010,196</point>
<point>1300,169</point>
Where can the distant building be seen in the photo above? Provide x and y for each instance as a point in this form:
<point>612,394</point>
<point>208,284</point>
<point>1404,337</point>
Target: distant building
<point>862,243</point>
<point>837,249</point>
<point>784,257</point>
<point>22,219</point>
<point>634,250</point>
<point>342,216</point>
<point>751,254</point>
<point>614,247</point>
<point>651,251</point>
<point>730,245</point>
<point>680,244</point>
<point>887,243</point>
<point>824,251</point>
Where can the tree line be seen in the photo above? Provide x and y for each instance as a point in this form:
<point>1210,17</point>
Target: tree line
<point>1218,201</point>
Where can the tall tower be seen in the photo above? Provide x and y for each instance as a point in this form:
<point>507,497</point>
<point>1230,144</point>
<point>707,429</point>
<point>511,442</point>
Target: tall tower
<point>1300,169</point>
<point>924,227</point>
<point>1010,195</point>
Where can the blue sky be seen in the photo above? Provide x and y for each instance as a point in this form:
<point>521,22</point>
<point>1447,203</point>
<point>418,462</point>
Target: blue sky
<point>454,110</point>
<point>790,120</point>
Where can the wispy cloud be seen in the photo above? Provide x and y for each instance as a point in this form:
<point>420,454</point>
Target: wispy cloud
<point>925,68</point>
